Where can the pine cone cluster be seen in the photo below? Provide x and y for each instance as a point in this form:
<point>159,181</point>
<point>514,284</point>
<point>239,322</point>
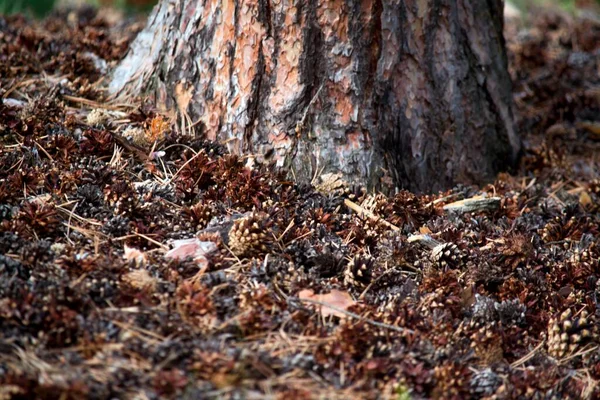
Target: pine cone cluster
<point>390,248</point>
<point>452,381</point>
<point>561,228</point>
<point>581,264</point>
<point>407,209</point>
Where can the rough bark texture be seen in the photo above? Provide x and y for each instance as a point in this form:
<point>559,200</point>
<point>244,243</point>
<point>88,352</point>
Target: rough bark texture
<point>414,92</point>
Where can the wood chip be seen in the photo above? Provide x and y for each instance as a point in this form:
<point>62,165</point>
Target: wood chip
<point>425,240</point>
<point>474,204</point>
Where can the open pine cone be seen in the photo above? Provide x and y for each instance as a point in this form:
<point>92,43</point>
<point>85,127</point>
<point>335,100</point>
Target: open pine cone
<point>250,236</point>
<point>567,333</point>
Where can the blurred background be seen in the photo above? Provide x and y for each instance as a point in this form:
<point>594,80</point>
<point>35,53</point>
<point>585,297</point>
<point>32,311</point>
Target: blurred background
<point>40,8</point>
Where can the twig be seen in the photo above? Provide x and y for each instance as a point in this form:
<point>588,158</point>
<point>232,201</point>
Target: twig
<point>78,217</point>
<point>43,150</point>
<point>579,353</point>
<point>159,244</point>
<point>361,211</point>
<point>527,356</point>
<point>94,104</point>
<point>290,226</point>
<point>354,315</point>
<point>300,124</point>
<point>386,273</point>
<point>442,199</point>
<point>69,222</point>
<point>142,333</point>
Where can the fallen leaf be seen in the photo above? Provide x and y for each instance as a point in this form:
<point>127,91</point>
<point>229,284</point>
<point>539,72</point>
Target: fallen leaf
<point>140,279</point>
<point>336,298</point>
<point>191,248</point>
<point>585,199</point>
<point>139,257</point>
<point>467,296</point>
<point>425,230</point>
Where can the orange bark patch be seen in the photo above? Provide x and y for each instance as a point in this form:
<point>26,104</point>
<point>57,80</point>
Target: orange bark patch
<point>343,107</point>
<point>287,82</point>
<point>248,42</point>
<point>353,141</point>
<point>183,95</point>
<point>333,19</point>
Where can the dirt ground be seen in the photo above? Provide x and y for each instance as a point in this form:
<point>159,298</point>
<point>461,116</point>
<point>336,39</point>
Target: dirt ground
<point>140,262</point>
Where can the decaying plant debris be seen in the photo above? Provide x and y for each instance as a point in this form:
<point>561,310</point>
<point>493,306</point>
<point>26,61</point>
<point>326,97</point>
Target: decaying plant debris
<point>137,261</point>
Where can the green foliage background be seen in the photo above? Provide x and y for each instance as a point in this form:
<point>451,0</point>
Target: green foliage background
<point>567,5</point>
<point>37,8</point>
<point>40,8</point>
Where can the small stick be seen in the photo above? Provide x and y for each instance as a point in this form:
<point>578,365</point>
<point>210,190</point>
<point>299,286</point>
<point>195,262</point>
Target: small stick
<point>300,124</point>
<point>361,211</point>
<point>442,199</point>
<point>355,316</point>
<point>527,356</point>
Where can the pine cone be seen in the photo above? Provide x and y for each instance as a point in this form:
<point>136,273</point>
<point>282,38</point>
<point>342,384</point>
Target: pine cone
<point>250,236</point>
<point>446,255</point>
<point>359,271</point>
<point>201,214</point>
<point>567,333</point>
<point>487,344</point>
<point>121,197</point>
<point>485,382</point>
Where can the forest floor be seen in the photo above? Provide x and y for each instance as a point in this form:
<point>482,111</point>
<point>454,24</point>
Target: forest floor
<point>140,263</point>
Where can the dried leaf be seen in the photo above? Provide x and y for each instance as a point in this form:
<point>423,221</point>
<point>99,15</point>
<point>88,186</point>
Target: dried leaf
<point>425,230</point>
<point>157,130</point>
<point>336,298</point>
<point>191,248</point>
<point>139,257</point>
<point>140,279</point>
<point>585,199</point>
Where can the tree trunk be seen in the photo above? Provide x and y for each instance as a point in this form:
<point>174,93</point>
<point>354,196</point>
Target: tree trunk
<point>412,93</point>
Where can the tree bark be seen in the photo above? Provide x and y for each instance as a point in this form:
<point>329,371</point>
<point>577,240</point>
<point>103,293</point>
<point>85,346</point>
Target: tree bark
<point>407,93</point>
